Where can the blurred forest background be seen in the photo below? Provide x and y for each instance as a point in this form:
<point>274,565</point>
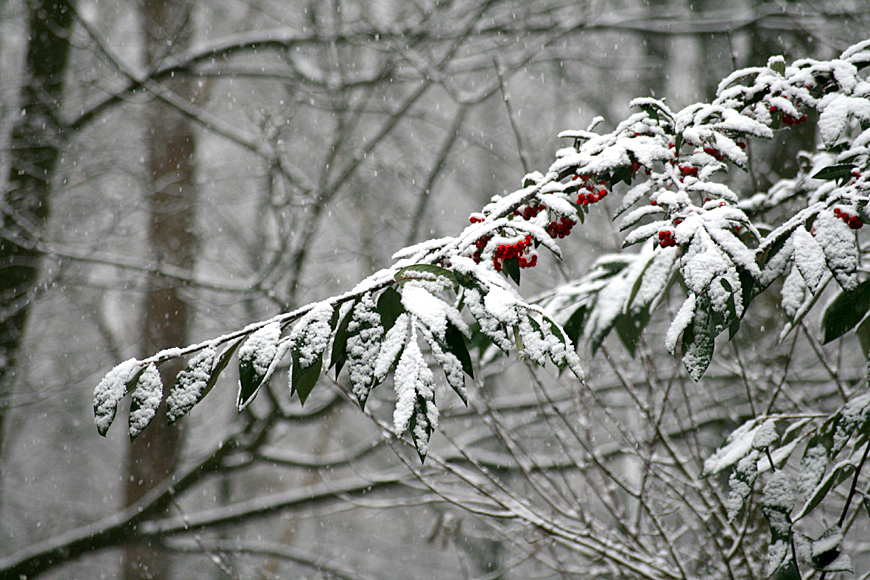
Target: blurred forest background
<point>183,168</point>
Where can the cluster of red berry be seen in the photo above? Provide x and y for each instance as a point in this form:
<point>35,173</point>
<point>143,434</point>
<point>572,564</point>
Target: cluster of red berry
<point>561,228</point>
<point>688,170</point>
<point>852,220</point>
<point>597,190</point>
<point>517,250</point>
<point>713,153</point>
<point>788,119</point>
<point>666,238</point>
<point>530,211</point>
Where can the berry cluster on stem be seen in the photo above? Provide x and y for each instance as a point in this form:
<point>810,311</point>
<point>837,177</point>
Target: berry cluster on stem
<point>852,220</point>
<point>667,239</point>
<point>596,190</point>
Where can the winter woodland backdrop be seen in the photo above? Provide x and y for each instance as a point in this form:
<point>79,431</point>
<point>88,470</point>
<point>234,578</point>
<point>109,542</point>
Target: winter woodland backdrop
<point>183,169</point>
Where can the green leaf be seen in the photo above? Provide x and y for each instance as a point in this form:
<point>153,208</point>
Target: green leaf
<point>574,326</point>
<point>420,426</point>
<point>256,359</point>
<point>845,311</point>
<point>456,345</point>
<point>629,328</point>
<point>623,173</point>
<point>223,361</point>
<point>303,379</point>
<point>840,171</point>
<point>406,274</point>
<point>511,267</point>
<point>339,342</point>
<point>390,307</point>
<point>786,572</point>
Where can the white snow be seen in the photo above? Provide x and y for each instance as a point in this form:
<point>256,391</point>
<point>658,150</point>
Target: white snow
<point>190,384</point>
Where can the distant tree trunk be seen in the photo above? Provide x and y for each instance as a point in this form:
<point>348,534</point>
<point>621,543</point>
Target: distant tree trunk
<point>171,198</point>
<point>36,144</point>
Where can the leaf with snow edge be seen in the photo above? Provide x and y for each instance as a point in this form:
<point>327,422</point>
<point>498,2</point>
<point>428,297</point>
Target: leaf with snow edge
<point>765,435</point>
<point>681,321</point>
<point>845,311</point>
<point>145,400</point>
<point>794,291</point>
<point>255,362</point>
<point>190,385</point>
<point>823,554</point>
<point>390,307</point>
<point>809,258</point>
<point>838,172</point>
<point>653,282</point>
<point>837,240</point>
<point>222,363</point>
<point>814,461</point>
<point>449,363</point>
<point>638,214</point>
<point>339,354</point>
<point>737,446</point>
<point>490,326</point>
<point>111,389</point>
<point>853,415</point>
<point>364,337</point>
<point>840,473</point>
<point>303,377</point>
<point>634,195</point>
<point>430,310</point>
<point>392,345</point>
<point>423,422</point>
<point>534,345</point>
<point>740,484</point>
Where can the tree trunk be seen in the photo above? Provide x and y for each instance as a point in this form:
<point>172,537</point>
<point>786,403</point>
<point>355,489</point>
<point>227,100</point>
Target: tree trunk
<point>36,144</point>
<point>171,198</point>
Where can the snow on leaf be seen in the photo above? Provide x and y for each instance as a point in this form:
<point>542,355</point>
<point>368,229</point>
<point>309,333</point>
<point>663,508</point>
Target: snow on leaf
<point>834,120</point>
<point>110,391</point>
<point>449,362</point>
<point>765,435</point>
<point>854,414</point>
<point>364,333</point>
<point>429,309</point>
<point>809,258</point>
<point>413,379</point>
<point>190,385</point>
<point>794,291</point>
<point>681,321</point>
<point>145,400</point>
<point>740,484</point>
<point>737,446</point>
<point>837,241</point>
<point>393,343</point>
<point>311,334</point>
<point>255,359</point>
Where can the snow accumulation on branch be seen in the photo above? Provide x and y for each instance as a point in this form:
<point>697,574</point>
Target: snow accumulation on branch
<point>692,226</point>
